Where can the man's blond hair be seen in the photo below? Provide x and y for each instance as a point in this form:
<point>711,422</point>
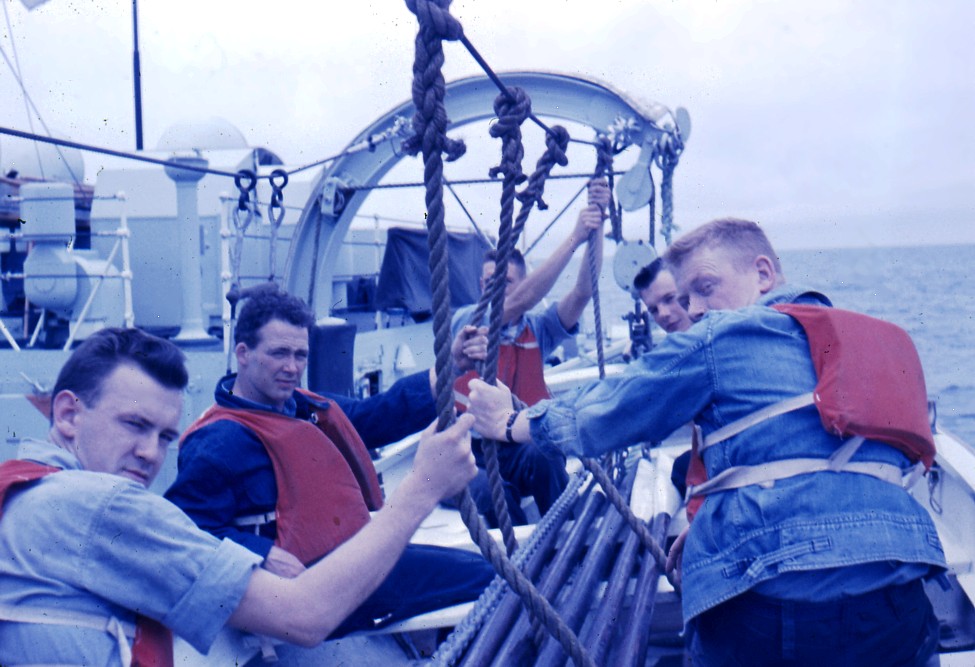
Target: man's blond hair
<point>744,239</point>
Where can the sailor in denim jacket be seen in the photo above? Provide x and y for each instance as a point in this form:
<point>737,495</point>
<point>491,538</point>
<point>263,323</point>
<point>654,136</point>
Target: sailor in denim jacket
<point>809,539</point>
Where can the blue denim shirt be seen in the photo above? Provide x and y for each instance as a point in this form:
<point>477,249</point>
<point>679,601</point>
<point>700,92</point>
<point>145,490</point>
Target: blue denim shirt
<point>815,536</point>
<point>103,545</point>
<point>545,324</point>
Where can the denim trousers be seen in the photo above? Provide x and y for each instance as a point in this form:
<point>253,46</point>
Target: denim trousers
<point>892,626</point>
<point>424,578</point>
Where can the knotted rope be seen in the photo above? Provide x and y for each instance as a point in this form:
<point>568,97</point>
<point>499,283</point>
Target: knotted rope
<point>556,142</point>
<point>511,110</point>
<point>429,125</point>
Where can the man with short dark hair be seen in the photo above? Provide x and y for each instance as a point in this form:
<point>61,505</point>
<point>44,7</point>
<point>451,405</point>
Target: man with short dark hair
<point>657,289</point>
<point>528,339</point>
<point>285,473</point>
<point>807,550</point>
<point>90,559</point>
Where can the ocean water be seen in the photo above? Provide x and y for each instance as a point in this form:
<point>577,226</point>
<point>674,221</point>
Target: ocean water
<point>929,291</point>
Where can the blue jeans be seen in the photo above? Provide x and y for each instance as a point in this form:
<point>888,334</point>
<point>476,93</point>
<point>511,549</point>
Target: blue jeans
<point>425,578</point>
<point>528,470</point>
<point>894,626</point>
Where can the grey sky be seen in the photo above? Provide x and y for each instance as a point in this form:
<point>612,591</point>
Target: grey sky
<point>832,122</point>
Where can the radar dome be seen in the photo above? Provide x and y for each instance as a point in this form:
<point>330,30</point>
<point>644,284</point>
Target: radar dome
<point>211,133</point>
<point>35,159</point>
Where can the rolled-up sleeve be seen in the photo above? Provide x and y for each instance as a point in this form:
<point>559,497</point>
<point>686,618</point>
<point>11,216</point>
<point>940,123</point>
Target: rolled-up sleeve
<point>132,549</point>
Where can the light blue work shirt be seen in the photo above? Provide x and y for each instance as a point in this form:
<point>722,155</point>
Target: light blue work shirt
<point>812,537</point>
<point>102,545</point>
<point>545,324</point>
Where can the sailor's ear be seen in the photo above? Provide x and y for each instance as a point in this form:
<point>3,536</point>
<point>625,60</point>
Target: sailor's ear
<point>766,273</point>
<point>240,351</point>
<point>65,408</point>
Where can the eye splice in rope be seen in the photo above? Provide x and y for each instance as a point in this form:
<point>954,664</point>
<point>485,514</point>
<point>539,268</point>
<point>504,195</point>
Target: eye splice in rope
<point>275,214</point>
<point>243,215</point>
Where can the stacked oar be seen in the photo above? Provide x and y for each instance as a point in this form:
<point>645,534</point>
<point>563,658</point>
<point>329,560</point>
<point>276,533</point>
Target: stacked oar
<point>594,570</point>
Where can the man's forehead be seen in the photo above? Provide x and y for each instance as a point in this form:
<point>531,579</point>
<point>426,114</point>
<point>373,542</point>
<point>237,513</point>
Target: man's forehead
<point>130,389</point>
<point>279,333</point>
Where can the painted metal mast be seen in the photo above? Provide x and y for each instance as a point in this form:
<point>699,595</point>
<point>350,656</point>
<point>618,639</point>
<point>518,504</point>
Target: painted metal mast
<point>137,75</point>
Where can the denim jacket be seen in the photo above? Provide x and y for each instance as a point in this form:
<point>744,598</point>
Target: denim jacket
<point>824,534</point>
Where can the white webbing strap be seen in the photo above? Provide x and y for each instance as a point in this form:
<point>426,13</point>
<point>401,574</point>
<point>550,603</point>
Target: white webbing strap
<point>462,399</point>
<point>757,417</point>
<point>767,473</point>
<point>120,630</point>
<point>256,519</point>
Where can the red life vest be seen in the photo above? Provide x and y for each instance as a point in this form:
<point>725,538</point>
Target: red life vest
<point>325,478</point>
<point>153,643</point>
<point>870,385</point>
<point>520,368</point>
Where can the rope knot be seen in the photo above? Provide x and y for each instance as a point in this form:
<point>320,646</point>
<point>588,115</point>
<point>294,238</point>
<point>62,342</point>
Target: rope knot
<point>604,157</point>
<point>511,109</point>
<point>435,17</point>
<point>430,118</point>
<point>556,141</point>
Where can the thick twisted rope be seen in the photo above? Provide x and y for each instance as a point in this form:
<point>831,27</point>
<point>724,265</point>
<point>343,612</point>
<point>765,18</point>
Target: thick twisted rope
<point>452,649</point>
<point>430,137</point>
<point>511,111</point>
<point>430,123</point>
<point>556,142</point>
<point>604,164</point>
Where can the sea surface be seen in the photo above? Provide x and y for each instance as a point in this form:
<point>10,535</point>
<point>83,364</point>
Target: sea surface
<point>928,290</point>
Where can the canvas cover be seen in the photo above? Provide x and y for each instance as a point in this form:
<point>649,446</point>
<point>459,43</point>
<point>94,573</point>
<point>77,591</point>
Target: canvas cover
<point>404,278</point>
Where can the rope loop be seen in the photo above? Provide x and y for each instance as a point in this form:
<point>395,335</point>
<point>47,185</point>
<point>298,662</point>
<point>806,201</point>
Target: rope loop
<point>246,182</point>
<point>275,215</point>
<point>430,118</point>
<point>436,19</point>
<point>556,141</point>
<point>512,109</point>
<point>275,210</point>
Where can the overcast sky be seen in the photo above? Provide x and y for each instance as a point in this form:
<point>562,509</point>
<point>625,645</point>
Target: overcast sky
<point>831,122</point>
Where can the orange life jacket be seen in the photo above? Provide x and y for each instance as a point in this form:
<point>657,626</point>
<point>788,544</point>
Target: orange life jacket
<point>870,385</point>
<point>153,643</point>
<point>326,481</point>
<point>520,368</point>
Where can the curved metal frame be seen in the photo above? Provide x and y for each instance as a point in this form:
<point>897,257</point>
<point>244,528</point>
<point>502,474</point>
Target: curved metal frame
<point>319,234</point>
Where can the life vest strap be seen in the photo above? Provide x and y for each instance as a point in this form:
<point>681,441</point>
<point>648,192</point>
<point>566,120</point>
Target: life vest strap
<point>757,417</point>
<point>256,520</point>
<point>121,631</point>
<point>768,473</point>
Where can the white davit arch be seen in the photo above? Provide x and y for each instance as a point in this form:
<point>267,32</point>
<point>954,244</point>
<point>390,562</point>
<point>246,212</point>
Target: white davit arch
<point>320,231</point>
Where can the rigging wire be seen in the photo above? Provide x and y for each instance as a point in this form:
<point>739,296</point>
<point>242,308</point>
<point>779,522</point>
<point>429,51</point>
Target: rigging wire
<point>19,77</point>
<point>465,181</point>
<point>108,151</point>
<point>507,92</point>
<point>477,228</point>
<point>28,100</point>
